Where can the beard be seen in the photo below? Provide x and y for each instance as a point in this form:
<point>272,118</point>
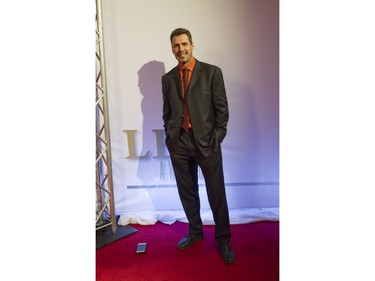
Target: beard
<point>183,58</point>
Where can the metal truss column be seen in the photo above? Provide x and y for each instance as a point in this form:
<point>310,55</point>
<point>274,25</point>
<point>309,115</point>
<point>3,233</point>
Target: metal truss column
<point>105,209</point>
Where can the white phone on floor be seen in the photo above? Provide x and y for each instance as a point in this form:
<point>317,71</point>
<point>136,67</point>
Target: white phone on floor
<point>141,248</point>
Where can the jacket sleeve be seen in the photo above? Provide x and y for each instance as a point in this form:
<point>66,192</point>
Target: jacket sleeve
<point>166,103</point>
<point>220,104</point>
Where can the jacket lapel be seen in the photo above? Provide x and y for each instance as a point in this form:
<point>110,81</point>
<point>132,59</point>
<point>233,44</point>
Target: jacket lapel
<point>177,80</point>
<point>195,74</point>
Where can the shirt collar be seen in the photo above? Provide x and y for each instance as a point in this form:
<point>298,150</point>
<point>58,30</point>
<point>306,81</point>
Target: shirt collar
<point>190,66</point>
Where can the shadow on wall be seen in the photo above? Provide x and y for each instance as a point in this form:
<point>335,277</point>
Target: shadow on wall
<point>149,83</point>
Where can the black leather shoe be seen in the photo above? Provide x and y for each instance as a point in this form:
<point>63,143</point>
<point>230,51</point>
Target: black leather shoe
<point>227,253</point>
<point>188,240</point>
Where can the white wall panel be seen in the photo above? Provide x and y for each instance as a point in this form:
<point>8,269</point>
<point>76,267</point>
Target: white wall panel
<point>239,36</point>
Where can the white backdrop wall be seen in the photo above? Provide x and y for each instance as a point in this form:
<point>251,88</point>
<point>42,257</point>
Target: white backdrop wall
<point>242,38</point>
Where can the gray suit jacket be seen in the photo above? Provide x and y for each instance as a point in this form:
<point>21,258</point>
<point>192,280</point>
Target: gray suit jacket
<point>207,102</point>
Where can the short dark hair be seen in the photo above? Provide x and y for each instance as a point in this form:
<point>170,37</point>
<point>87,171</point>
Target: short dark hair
<point>180,31</point>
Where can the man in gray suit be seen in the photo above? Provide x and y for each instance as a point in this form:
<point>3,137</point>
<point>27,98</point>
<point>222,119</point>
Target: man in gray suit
<point>195,115</point>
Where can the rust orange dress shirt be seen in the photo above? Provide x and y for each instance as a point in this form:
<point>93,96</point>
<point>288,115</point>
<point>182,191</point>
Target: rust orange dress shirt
<point>190,68</point>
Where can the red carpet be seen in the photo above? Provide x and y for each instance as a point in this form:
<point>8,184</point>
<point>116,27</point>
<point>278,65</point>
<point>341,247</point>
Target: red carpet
<point>256,246</point>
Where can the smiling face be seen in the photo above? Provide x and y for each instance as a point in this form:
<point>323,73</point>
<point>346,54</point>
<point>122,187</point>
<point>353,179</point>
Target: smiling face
<point>182,49</point>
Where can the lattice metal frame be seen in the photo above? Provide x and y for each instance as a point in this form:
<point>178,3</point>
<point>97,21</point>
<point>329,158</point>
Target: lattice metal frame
<point>105,209</point>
